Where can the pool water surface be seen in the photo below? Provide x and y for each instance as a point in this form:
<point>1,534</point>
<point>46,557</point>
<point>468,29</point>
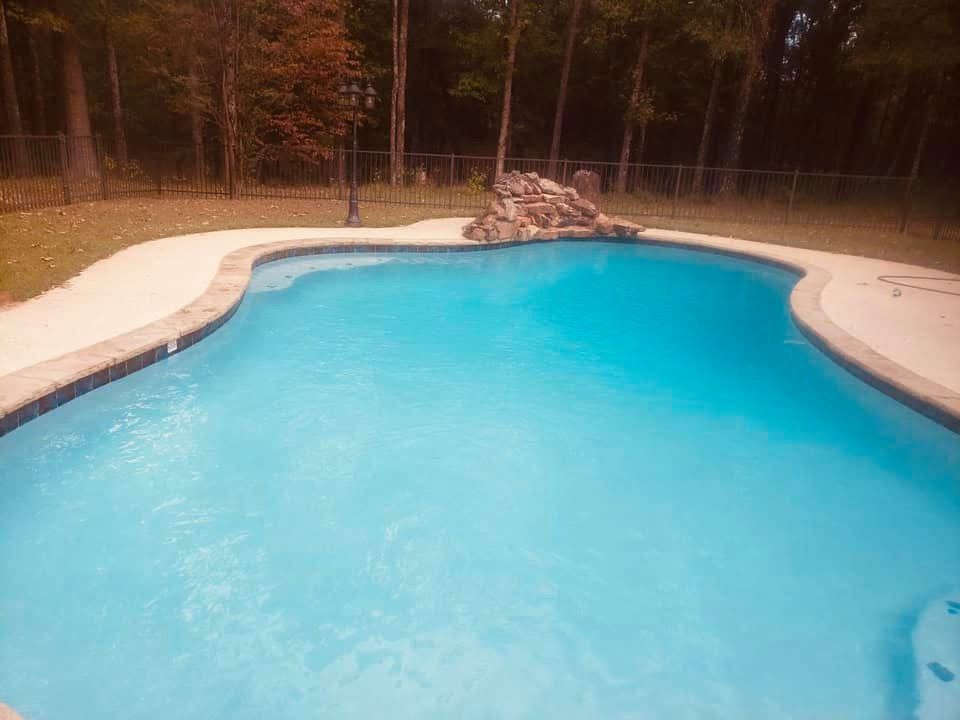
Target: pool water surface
<point>573,480</point>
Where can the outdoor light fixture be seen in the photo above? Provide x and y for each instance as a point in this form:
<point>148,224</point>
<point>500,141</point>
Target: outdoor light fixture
<point>352,94</point>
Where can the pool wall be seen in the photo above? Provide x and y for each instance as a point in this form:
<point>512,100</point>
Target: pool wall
<point>33,391</point>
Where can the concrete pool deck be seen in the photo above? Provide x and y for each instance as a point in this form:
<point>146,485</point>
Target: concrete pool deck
<point>148,300</point>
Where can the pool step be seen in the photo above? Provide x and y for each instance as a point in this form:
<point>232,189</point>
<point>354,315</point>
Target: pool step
<point>936,647</point>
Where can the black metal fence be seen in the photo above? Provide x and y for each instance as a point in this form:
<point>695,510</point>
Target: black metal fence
<point>43,171</point>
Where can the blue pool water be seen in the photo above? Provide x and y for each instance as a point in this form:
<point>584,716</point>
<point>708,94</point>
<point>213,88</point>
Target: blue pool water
<point>577,480</point>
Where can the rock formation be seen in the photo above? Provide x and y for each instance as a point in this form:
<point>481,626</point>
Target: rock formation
<point>529,207</point>
<point>587,183</point>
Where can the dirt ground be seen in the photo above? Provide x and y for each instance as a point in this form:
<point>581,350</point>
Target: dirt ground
<point>44,248</point>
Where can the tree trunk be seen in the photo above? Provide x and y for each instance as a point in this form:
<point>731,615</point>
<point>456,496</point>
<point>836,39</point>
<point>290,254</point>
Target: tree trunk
<point>630,117</point>
<point>39,110</point>
<point>10,102</point>
<point>564,82</point>
<point>394,91</point>
<point>708,116</point>
<point>228,85</point>
<point>731,159</point>
<point>900,130</point>
<point>119,133</point>
<point>747,80</point>
<point>77,112</point>
<point>929,113</point>
<point>402,88</point>
<point>822,68</point>
<point>776,50</point>
<point>858,129</point>
<point>512,40</point>
<point>196,121</point>
<point>876,147</point>
<point>227,22</point>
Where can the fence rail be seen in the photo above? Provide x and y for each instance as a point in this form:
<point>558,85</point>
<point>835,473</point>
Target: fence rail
<point>44,171</point>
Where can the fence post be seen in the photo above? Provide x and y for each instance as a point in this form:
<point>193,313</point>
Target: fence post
<point>101,164</point>
<point>565,173</point>
<point>676,191</point>
<point>64,168</point>
<point>452,179</point>
<point>793,194</point>
<point>905,208</point>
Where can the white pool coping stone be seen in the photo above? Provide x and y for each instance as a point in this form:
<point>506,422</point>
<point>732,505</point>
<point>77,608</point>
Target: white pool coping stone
<point>124,312</point>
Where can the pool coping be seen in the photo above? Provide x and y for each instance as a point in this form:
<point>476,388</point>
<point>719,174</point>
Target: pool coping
<point>35,390</point>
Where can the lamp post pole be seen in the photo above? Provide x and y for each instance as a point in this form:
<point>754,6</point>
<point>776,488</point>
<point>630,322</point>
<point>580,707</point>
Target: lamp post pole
<point>352,94</point>
<point>353,214</point>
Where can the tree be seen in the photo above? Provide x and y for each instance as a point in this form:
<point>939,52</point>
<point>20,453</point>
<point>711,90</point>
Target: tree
<point>176,38</point>
<point>394,88</point>
<point>929,112</point>
<point>398,94</point>
<point>632,114</point>
<point>642,19</point>
<point>758,28</point>
<point>225,15</point>
<point>707,132</point>
<point>83,158</point>
<point>852,85</point>
<point>38,121</point>
<point>196,101</point>
<point>8,91</point>
<point>564,82</point>
<point>827,36</point>
<point>42,24</point>
<point>716,27</point>
<point>779,48</point>
<point>113,77</point>
<point>295,59</point>
<point>916,41</point>
<point>513,38</point>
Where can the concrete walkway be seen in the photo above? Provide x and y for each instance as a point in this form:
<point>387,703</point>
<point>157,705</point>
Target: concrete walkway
<point>913,334</point>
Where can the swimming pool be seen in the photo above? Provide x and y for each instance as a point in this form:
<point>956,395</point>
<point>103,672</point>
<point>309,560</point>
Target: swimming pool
<point>566,480</point>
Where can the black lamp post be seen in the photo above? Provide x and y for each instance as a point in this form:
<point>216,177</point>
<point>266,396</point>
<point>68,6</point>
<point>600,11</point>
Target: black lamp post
<point>353,95</point>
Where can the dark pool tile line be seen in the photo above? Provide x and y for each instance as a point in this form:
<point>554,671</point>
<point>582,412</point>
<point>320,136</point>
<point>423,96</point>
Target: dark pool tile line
<point>70,391</point>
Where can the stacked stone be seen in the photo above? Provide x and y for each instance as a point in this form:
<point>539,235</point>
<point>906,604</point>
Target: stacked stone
<point>528,207</point>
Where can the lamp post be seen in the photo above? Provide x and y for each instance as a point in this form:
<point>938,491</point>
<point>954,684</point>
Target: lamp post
<point>353,96</point>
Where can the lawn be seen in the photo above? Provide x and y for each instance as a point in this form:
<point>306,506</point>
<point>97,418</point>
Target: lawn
<point>44,248</point>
